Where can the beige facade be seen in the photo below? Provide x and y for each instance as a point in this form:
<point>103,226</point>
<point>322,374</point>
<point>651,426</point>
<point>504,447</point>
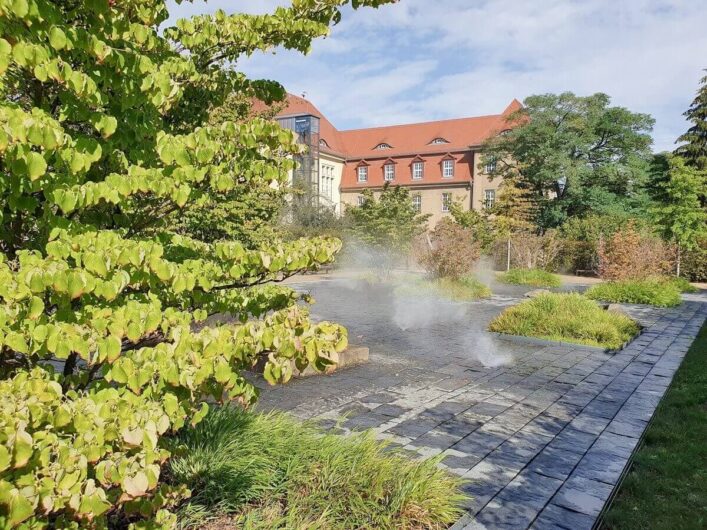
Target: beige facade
<point>331,169</point>
<point>484,190</point>
<point>431,200</point>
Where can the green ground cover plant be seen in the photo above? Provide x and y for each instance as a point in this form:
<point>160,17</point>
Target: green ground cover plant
<point>531,277</point>
<point>652,291</point>
<point>269,471</point>
<point>666,486</point>
<point>567,317</point>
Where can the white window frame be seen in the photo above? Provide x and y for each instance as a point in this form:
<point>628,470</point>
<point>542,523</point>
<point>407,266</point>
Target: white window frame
<point>418,166</point>
<point>360,200</point>
<point>489,197</point>
<point>389,172</point>
<point>362,173</point>
<point>448,168</point>
<point>417,203</point>
<point>446,201</point>
<point>490,166</point>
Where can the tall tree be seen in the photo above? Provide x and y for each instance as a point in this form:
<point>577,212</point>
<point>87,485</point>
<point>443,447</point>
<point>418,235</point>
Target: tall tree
<point>574,155</point>
<point>680,213</point>
<point>103,133</point>
<point>694,148</point>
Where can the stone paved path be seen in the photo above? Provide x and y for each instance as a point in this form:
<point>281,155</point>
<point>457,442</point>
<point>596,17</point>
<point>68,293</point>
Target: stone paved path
<point>542,431</point>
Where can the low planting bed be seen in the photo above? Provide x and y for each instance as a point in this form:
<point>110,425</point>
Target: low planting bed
<point>464,289</point>
<point>568,318</point>
<point>660,292</point>
<point>265,471</point>
<point>531,277</point>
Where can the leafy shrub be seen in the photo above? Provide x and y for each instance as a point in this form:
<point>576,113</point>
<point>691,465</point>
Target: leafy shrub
<point>580,237</point>
<point>532,251</point>
<point>532,277</point>
<point>629,255</point>
<point>389,221</point>
<point>568,317</point>
<point>449,251</point>
<point>104,135</point>
<point>651,291</point>
<point>269,471</point>
<point>694,262</point>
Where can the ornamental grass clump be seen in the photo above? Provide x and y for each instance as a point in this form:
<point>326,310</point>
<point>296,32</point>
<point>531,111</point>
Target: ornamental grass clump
<point>531,277</point>
<point>566,317</point>
<point>269,471</point>
<point>652,291</point>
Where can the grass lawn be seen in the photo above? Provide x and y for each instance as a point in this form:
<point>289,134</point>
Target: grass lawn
<point>267,471</point>
<point>566,317</point>
<point>531,277</point>
<point>666,487</point>
<point>659,292</point>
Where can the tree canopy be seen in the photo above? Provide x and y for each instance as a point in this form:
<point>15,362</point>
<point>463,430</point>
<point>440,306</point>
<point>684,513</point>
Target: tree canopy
<point>574,155</point>
<point>105,133</point>
<point>388,222</point>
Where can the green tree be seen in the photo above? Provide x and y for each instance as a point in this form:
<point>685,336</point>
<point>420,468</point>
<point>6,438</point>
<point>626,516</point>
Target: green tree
<point>388,223</point>
<point>248,213</point>
<point>680,213</point>
<point>574,155</point>
<point>104,132</point>
<point>694,148</point>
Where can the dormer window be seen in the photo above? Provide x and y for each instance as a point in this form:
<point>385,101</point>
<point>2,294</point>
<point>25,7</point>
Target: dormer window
<point>418,170</point>
<point>384,146</point>
<point>389,172</point>
<point>322,143</point>
<point>363,173</point>
<point>447,168</point>
<point>439,141</point>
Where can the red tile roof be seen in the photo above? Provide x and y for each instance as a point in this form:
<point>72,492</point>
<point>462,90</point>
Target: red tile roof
<point>410,139</point>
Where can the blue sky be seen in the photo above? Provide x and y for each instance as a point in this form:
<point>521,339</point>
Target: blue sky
<point>421,60</point>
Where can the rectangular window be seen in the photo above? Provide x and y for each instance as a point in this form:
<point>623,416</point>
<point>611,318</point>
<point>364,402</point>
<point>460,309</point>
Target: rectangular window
<point>446,201</point>
<point>361,200</point>
<point>389,172</point>
<point>417,203</point>
<point>490,166</point>
<point>418,170</point>
<point>489,198</point>
<point>448,168</point>
<point>363,174</point>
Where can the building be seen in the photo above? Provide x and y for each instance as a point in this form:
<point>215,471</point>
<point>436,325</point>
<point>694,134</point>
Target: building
<point>438,161</point>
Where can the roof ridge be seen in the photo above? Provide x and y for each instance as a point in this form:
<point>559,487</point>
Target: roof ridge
<point>445,120</point>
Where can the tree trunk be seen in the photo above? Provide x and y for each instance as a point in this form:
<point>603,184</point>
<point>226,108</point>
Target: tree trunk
<point>678,262</point>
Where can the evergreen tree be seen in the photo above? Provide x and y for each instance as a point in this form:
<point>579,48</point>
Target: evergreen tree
<point>680,214</point>
<point>694,148</point>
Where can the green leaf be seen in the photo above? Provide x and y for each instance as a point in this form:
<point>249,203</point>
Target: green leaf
<point>36,308</point>
<point>36,165</point>
<point>57,38</point>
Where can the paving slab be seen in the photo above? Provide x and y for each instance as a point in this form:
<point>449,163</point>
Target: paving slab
<point>542,432</point>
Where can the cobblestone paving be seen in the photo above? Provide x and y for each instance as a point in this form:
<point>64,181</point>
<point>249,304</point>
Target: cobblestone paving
<point>541,431</point>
